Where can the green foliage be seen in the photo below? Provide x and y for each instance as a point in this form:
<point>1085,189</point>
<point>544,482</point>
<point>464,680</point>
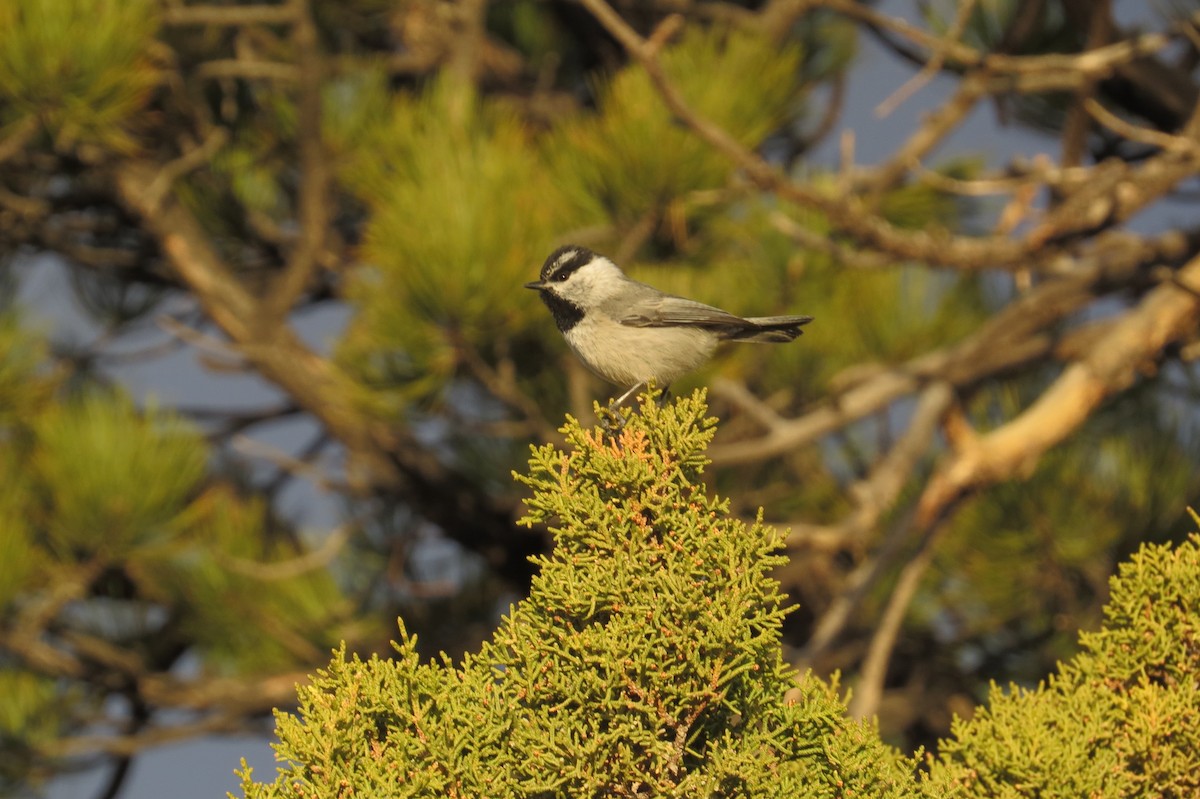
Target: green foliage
<point>1091,501</point>
<point>238,613</point>
<point>31,712</point>
<point>633,157</point>
<point>24,385</point>
<point>21,559</point>
<point>646,660</point>
<point>463,209</point>
<point>111,477</point>
<point>749,264</point>
<point>83,68</point>
<point>96,480</point>
<point>114,537</point>
<point>1121,719</point>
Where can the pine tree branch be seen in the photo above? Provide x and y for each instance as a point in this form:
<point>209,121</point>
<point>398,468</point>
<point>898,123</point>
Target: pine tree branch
<point>21,134</point>
<point>228,16</point>
<point>1016,336</point>
<point>846,214</point>
<point>868,691</point>
<point>383,456</point>
<point>1134,346</point>
<point>933,65</point>
<point>1131,348</point>
<point>312,216</point>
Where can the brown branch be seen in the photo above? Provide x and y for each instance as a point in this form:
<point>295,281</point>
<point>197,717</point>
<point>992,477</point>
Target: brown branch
<point>312,213</point>
<point>228,16</point>
<point>26,638</point>
<point>809,239</point>
<point>878,491</point>
<point>277,351</point>
<point>22,133</point>
<point>382,455</point>
<point>466,48</point>
<point>933,65</point>
<point>1013,337</point>
<point>1137,133</point>
<point>868,691</point>
<point>883,484</point>
<point>131,744</point>
<point>847,214</point>
<point>1133,345</point>
<point>857,584</point>
<point>247,69</point>
<point>191,160</point>
<point>503,386</point>
<point>938,124</point>
<point>1061,70</point>
<point>1077,124</point>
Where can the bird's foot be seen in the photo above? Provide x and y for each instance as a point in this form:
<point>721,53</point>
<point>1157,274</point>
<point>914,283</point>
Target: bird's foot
<point>612,420</point>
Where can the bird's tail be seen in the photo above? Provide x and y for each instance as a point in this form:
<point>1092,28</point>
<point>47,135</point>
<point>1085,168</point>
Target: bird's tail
<point>774,329</point>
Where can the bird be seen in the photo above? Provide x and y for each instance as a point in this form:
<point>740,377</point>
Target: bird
<point>630,333</point>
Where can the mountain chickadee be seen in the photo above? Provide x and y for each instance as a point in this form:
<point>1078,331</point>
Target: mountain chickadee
<point>630,333</point>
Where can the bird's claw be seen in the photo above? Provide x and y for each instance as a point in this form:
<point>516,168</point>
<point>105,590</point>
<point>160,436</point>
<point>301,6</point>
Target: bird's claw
<point>612,420</point>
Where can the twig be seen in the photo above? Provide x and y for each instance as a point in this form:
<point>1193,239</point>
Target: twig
<point>313,190</point>
<point>735,392</point>
<point>869,689</point>
<point>937,126</point>
<point>22,133</point>
<point>188,162</point>
<point>246,69</point>
<point>290,569</point>
<point>845,214</point>
<point>228,16</point>
<point>130,744</point>
<point>857,584</point>
<point>817,242</point>
<point>932,66</point>
<point>202,341</point>
<point>258,449</point>
<point>877,492</point>
<point>1137,133</point>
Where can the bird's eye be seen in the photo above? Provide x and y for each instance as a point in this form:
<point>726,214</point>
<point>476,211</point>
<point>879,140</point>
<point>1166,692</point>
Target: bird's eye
<point>561,277</point>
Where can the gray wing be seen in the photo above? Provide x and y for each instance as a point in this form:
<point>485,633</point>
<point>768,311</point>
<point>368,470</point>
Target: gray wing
<point>666,310</point>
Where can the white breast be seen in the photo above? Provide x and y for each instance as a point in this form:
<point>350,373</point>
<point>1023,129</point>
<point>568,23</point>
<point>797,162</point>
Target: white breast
<point>627,356</point>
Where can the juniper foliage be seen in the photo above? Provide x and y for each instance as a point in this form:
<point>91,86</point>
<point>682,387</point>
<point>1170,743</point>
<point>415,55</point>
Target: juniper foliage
<point>646,660</point>
<point>1120,719</point>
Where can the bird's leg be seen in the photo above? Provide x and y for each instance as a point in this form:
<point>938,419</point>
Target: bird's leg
<point>611,418</point>
<point>617,403</point>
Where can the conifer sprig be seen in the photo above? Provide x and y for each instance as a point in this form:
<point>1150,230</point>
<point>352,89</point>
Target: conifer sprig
<point>646,660</point>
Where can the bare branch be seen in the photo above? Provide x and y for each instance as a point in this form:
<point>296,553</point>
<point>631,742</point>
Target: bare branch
<point>20,135</point>
<point>312,213</point>
<point>1013,337</point>
<point>228,16</point>
<point>933,65</point>
<point>869,689</point>
<point>310,561</point>
<point>1167,315</point>
<point>382,455</point>
<point>845,213</point>
<point>247,69</point>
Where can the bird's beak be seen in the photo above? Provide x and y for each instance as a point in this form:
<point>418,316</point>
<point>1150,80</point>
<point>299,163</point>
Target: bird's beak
<point>536,285</point>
